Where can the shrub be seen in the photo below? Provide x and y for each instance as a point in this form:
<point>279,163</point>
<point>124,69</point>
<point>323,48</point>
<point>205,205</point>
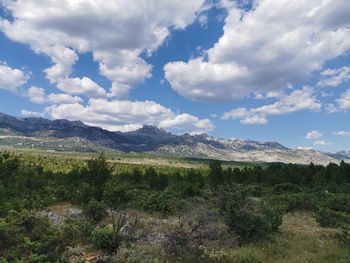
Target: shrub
<point>107,239</point>
<point>252,222</point>
<point>192,230</point>
<point>187,189</point>
<point>296,202</point>
<point>23,233</point>
<point>117,194</point>
<point>77,230</point>
<point>336,202</point>
<point>331,218</point>
<point>333,210</point>
<point>344,234</point>
<point>163,202</point>
<point>286,188</point>
<point>254,190</point>
<point>95,210</point>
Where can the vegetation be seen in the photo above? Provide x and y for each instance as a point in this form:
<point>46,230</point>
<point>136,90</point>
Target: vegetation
<point>94,210</point>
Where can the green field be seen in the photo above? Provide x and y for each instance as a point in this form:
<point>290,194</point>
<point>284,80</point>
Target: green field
<point>86,207</point>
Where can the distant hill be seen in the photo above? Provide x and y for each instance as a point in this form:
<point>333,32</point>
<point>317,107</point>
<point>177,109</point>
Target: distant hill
<point>64,135</point>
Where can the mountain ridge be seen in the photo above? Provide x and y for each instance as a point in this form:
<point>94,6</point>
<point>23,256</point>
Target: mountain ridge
<point>65,135</point>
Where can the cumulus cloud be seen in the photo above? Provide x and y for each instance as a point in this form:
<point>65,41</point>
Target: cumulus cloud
<point>297,100</point>
<point>342,133</point>
<point>334,77</point>
<point>11,78</point>
<point>201,80</point>
<point>315,134</point>
<point>81,86</point>
<point>340,104</point>
<point>117,32</point>
<point>119,115</point>
<point>27,113</point>
<point>265,49</point>
<point>37,95</point>
<point>322,143</point>
<point>189,122</point>
<point>331,108</point>
<point>61,98</point>
<point>344,101</point>
<point>304,148</point>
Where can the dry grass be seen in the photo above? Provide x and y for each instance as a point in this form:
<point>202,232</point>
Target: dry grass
<point>302,240</point>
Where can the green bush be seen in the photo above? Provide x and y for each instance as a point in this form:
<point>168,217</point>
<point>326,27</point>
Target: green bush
<point>77,230</point>
<point>336,202</point>
<point>254,190</point>
<point>331,218</point>
<point>95,210</point>
<point>333,210</point>
<point>163,202</point>
<point>116,193</point>
<point>286,188</point>
<point>23,233</point>
<point>344,234</point>
<point>296,202</point>
<point>252,222</point>
<point>186,189</point>
<point>107,239</point>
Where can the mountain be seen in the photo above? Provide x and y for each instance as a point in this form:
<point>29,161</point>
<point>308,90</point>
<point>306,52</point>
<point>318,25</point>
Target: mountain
<point>64,135</point>
<point>240,150</point>
<point>148,137</point>
<point>341,155</point>
<point>60,130</point>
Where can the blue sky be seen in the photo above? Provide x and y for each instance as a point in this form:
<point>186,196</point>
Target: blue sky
<point>264,70</point>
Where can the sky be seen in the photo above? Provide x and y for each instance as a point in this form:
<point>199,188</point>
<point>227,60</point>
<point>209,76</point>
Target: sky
<point>266,70</point>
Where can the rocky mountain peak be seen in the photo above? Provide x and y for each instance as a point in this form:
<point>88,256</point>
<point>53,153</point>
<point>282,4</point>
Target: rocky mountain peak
<point>152,130</point>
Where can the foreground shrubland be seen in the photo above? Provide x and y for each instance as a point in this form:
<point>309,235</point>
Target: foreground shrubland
<point>96,212</point>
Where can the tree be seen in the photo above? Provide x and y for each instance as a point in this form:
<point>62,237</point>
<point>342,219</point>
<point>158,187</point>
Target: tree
<point>215,173</point>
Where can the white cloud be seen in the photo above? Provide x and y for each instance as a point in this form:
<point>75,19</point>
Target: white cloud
<point>303,99</point>
<point>187,122</point>
<point>315,134</point>
<point>81,86</point>
<point>255,119</point>
<point>118,115</point>
<point>266,49</point>
<point>344,101</point>
<point>331,108</point>
<point>322,143</point>
<point>26,113</point>
<point>341,104</point>
<point>63,59</point>
<point>304,148</point>
<point>11,78</point>
<point>63,98</point>
<point>37,95</point>
<point>117,32</point>
<point>326,94</point>
<point>246,116</point>
<point>201,80</point>
<point>334,77</point>
<point>342,133</point>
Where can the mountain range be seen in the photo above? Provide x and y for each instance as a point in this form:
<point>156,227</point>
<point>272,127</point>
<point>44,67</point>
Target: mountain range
<point>65,135</point>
